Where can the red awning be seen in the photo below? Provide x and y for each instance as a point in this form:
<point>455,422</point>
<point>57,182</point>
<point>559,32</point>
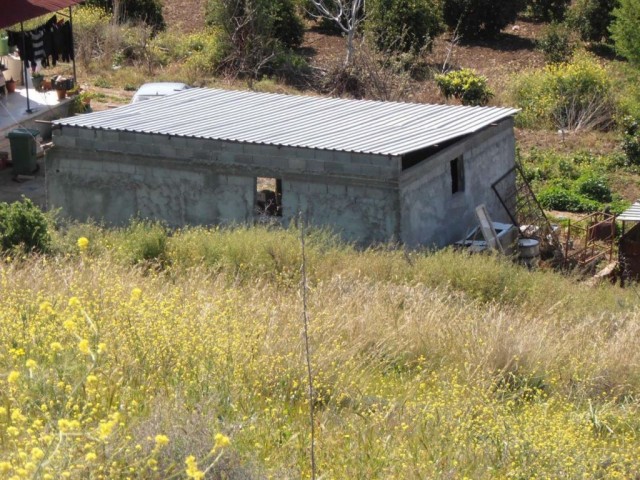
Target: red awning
<point>21,10</point>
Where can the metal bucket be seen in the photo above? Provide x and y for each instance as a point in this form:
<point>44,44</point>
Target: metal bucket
<point>529,251</point>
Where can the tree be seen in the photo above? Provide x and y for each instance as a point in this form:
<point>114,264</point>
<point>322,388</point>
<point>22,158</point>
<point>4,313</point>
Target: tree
<point>254,31</point>
<point>592,18</point>
<point>548,10</point>
<point>404,25</point>
<point>148,11</point>
<point>480,18</point>
<point>347,15</point>
<point>625,30</point>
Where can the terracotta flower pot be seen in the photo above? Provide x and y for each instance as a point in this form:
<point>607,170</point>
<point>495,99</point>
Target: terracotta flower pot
<point>11,86</point>
<point>62,94</point>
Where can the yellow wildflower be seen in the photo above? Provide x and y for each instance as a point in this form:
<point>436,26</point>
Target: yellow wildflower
<point>161,440</point>
<point>74,302</point>
<point>83,346</point>
<point>102,347</point>
<point>55,346</point>
<point>46,307</point>
<point>31,364</point>
<point>37,453</point>
<point>83,243</point>
<point>192,468</point>
<point>13,376</point>
<point>5,467</point>
<point>220,441</point>
<point>136,293</point>
<point>91,456</point>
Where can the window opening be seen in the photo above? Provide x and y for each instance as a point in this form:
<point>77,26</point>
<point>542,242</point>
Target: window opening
<point>269,196</point>
<point>457,175</point>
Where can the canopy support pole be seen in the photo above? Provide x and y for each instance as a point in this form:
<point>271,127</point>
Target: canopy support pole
<point>25,62</point>
<point>73,47</point>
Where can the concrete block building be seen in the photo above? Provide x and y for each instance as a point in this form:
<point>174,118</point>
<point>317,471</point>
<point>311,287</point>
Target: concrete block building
<point>372,171</point>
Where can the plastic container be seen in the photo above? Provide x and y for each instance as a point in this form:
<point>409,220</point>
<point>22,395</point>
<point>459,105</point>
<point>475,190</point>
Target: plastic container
<point>24,152</point>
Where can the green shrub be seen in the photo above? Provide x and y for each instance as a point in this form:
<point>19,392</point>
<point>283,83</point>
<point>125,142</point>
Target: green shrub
<point>594,187</point>
<point>23,225</point>
<point>556,43</point>
<point>475,18</point>
<point>548,10</point>
<point>466,86</point>
<point>631,140</point>
<point>571,96</point>
<point>592,18</point>
<point>404,25</point>
<point>557,197</point>
<point>625,30</point>
<point>143,241</point>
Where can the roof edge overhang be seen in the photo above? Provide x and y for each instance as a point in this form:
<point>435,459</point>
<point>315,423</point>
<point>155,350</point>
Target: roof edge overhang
<point>22,10</point>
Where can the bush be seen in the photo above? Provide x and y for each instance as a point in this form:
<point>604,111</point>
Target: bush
<point>556,197</point>
<point>548,10</point>
<point>556,43</point>
<point>90,26</point>
<point>147,11</point>
<point>253,31</point>
<point>625,30</point>
<point>466,86</point>
<point>23,225</point>
<point>570,96</point>
<point>404,25</point>
<point>476,18</point>
<point>592,18</point>
<point>631,140</point>
<point>594,187</point>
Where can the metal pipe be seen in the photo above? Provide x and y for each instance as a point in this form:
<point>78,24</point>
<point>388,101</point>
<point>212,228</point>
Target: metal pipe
<point>26,79</point>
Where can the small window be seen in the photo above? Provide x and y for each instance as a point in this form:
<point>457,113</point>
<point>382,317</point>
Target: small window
<point>457,175</point>
<point>269,197</point>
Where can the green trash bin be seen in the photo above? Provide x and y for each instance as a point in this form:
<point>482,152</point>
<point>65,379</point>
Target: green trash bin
<point>23,150</point>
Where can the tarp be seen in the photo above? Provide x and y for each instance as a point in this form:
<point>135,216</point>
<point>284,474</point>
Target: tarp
<point>16,11</point>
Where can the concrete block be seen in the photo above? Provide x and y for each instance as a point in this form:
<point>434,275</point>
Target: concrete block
<point>65,131</point>
<point>110,135</point>
<point>296,163</point>
<point>317,188</point>
<point>337,190</point>
<point>88,144</point>
<point>86,133</point>
<point>64,141</point>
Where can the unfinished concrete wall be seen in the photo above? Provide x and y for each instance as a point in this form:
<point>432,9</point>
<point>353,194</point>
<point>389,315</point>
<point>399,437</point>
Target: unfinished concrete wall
<point>434,216</point>
<point>112,176</point>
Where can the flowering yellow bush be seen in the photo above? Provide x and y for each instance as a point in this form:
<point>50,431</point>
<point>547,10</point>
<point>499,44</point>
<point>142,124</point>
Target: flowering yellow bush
<point>195,371</point>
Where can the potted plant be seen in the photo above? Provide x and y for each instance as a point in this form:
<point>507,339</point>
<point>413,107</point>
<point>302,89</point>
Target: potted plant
<point>36,80</point>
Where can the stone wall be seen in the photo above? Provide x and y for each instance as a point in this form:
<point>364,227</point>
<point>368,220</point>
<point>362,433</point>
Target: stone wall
<point>434,216</point>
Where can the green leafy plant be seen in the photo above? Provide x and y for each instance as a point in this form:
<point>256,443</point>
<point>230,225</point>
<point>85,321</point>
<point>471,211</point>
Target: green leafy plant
<point>403,25</point>
<point>625,30</point>
<point>556,43</point>
<point>594,187</point>
<point>23,225</point>
<point>592,18</point>
<point>558,197</point>
<point>465,85</point>
<point>631,140</point>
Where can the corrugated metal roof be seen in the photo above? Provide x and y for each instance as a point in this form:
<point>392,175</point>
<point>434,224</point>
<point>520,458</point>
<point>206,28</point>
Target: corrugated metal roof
<point>387,128</point>
<point>631,214</point>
